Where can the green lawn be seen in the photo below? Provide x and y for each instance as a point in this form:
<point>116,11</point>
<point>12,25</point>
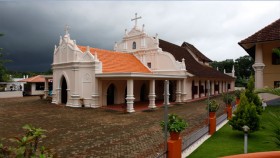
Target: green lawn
<point>228,142</point>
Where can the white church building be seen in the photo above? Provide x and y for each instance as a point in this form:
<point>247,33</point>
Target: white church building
<point>134,71</point>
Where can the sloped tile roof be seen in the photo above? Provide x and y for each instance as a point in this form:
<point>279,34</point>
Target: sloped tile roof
<point>192,65</point>
<point>34,79</point>
<point>116,62</point>
<point>268,33</point>
<point>201,56</point>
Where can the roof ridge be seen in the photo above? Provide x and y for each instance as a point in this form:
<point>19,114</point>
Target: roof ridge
<point>257,33</point>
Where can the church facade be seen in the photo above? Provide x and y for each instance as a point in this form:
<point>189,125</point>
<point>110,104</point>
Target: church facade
<point>133,72</point>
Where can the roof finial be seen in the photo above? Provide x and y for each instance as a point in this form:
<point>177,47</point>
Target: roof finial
<point>143,28</point>
<point>66,29</point>
<point>115,46</point>
<point>233,71</point>
<point>135,19</point>
<point>95,57</point>
<point>125,32</point>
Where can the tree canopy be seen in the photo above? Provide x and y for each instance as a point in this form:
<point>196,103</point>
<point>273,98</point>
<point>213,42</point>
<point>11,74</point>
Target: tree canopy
<point>242,65</point>
<point>3,72</point>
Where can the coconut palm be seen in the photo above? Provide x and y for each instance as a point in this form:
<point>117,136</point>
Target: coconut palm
<point>275,91</point>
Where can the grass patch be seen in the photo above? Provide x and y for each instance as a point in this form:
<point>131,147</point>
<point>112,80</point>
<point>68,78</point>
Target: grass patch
<point>229,142</point>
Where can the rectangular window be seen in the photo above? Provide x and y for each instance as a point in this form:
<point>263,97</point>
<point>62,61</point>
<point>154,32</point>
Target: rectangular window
<point>40,86</point>
<point>276,56</point>
<point>276,84</point>
<point>149,64</point>
<point>228,86</point>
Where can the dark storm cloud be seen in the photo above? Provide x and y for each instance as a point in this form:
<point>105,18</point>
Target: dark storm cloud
<point>33,28</point>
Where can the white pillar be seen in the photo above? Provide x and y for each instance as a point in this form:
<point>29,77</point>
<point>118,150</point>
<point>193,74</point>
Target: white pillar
<point>178,92</point>
<point>46,90</point>
<point>95,95</point>
<point>130,97</point>
<point>212,88</point>
<point>184,90</point>
<point>58,96</point>
<point>69,101</point>
<point>220,87</point>
<point>75,97</point>
<point>258,66</point>
<point>152,95</point>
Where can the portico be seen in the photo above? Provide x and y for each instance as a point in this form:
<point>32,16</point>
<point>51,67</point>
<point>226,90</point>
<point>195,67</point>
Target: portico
<point>128,88</point>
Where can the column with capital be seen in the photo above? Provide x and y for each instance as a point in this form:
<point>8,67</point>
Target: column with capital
<point>130,96</point>
<point>152,95</point>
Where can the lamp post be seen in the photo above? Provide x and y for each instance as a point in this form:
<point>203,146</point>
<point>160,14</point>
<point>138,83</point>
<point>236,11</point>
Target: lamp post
<point>166,103</point>
<point>246,130</point>
<point>208,95</point>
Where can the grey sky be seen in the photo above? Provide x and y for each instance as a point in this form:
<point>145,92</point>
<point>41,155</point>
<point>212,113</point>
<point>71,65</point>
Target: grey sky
<point>33,28</point>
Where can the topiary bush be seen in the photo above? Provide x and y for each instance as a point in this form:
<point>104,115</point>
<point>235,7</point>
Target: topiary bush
<point>245,114</point>
<point>252,96</point>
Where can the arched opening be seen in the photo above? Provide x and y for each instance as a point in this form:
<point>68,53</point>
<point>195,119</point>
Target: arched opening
<point>134,45</point>
<point>111,95</point>
<point>143,93</point>
<point>63,90</point>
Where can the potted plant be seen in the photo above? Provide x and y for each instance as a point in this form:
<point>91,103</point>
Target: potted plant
<point>237,94</point>
<point>213,106</point>
<point>228,99</point>
<point>175,125</point>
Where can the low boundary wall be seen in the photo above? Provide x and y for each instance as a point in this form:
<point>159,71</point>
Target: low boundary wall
<point>11,94</point>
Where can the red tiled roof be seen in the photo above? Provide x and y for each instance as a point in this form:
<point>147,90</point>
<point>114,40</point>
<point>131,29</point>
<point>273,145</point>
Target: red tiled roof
<point>268,33</point>
<point>34,79</point>
<point>201,56</point>
<point>192,65</point>
<point>117,62</point>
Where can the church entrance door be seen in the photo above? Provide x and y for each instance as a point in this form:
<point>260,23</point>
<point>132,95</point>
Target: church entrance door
<point>111,95</point>
<point>63,91</point>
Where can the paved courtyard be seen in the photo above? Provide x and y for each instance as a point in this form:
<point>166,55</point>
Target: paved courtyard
<point>99,132</point>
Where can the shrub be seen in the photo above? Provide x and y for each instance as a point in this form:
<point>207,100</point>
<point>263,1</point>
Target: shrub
<point>246,114</point>
<point>237,94</point>
<point>228,98</point>
<point>275,124</point>
<point>213,105</point>
<point>174,123</point>
<point>252,96</point>
<point>27,145</point>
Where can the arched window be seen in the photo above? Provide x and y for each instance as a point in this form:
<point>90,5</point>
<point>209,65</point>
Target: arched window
<point>134,45</point>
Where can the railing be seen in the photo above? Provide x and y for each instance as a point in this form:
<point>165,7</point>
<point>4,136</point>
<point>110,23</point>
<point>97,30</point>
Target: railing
<point>221,119</point>
<point>188,141</point>
<point>195,136</point>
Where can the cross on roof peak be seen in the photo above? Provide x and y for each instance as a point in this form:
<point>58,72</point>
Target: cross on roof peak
<point>135,19</point>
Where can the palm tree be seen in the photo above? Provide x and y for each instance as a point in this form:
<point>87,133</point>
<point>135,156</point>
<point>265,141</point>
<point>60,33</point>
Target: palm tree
<point>275,91</point>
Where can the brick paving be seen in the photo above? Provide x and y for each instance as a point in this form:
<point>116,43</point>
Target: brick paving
<point>82,132</point>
